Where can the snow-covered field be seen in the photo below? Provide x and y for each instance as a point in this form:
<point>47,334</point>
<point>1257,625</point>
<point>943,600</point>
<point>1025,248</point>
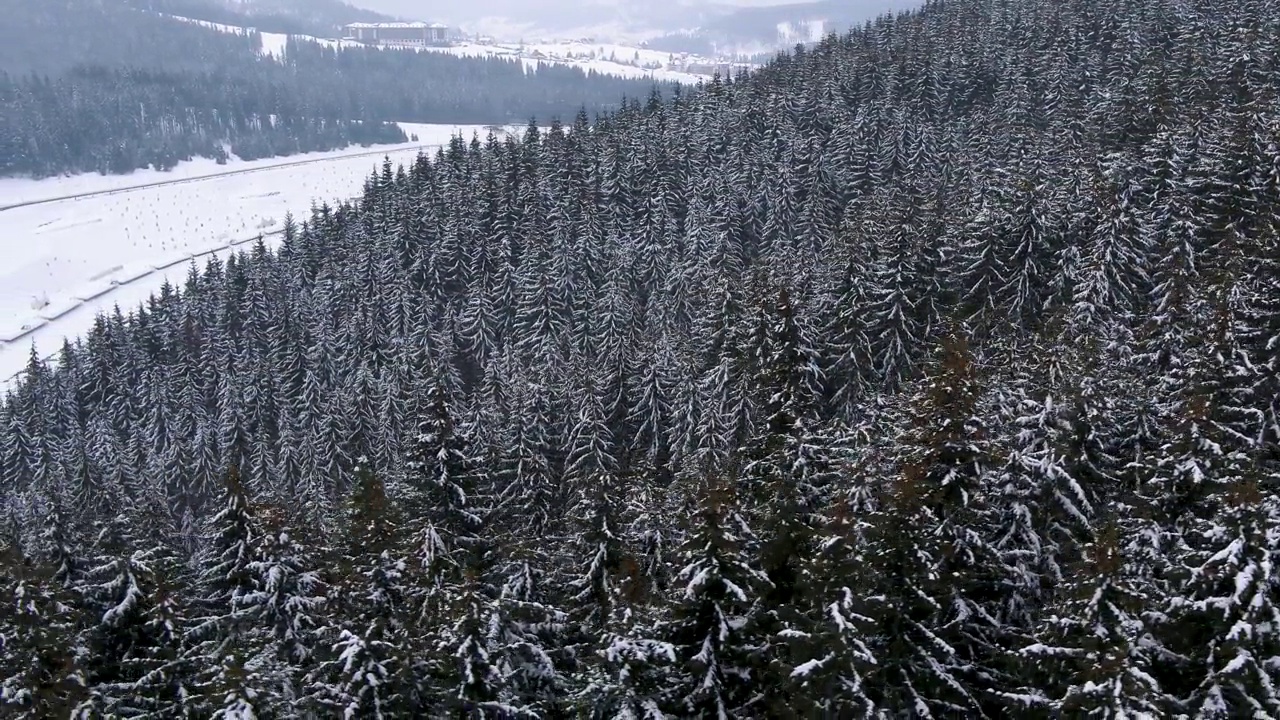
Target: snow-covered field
<point>62,261</point>
<point>605,58</point>
<point>15,191</point>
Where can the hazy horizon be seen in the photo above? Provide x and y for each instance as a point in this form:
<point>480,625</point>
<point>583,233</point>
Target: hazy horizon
<point>561,14</point>
<point>506,17</point>
<point>514,8</point>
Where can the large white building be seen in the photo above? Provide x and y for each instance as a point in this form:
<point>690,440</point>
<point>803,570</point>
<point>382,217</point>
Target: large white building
<point>399,33</point>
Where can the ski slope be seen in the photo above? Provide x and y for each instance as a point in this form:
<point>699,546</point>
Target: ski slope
<point>273,44</point>
<point>93,242</point>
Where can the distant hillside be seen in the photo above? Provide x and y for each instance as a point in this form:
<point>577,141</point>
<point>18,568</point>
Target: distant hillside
<point>322,18</point>
<point>754,30</point>
<point>50,37</point>
<point>326,15</point>
<point>108,86</point>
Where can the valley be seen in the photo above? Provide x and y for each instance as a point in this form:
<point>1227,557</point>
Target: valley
<point>82,245</point>
<point>605,58</point>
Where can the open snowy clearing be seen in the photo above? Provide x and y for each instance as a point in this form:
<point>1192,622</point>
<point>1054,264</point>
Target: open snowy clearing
<point>65,260</point>
<point>273,44</point>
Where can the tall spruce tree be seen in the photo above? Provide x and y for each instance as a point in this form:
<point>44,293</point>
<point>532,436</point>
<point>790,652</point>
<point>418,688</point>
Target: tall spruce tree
<point>1005,446</point>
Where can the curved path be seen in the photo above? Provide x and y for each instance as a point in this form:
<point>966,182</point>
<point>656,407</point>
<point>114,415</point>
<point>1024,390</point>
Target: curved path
<point>210,176</point>
<point>103,297</point>
<point>116,287</point>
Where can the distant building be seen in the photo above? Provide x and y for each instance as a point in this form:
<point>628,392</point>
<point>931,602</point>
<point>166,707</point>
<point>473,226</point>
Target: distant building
<point>704,67</point>
<point>410,33</point>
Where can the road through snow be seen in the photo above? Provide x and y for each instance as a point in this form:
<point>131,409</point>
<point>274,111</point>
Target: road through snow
<point>209,176</point>
<point>71,248</point>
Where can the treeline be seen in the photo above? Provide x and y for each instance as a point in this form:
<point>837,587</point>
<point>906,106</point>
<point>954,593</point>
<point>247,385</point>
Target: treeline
<point>438,87</point>
<point>113,122</point>
<point>934,372</point>
<point>318,18</point>
<point>56,36</point>
<point>135,90</point>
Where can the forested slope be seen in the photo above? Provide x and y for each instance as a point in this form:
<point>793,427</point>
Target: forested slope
<point>318,18</point>
<point>930,373</point>
<point>102,86</point>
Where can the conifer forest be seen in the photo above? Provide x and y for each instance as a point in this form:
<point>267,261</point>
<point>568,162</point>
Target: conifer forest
<point>932,371</point>
<point>102,86</point>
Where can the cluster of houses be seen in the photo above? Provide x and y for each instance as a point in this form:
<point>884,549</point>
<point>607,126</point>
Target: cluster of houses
<point>399,33</point>
<point>695,65</point>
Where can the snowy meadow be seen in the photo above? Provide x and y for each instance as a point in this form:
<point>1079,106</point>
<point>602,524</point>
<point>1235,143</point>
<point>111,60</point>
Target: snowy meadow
<point>92,242</point>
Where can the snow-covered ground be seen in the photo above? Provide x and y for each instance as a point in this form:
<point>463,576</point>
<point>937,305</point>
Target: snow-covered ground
<point>625,61</point>
<point>604,58</point>
<point>65,260</point>
<point>273,44</point>
<point>15,191</point>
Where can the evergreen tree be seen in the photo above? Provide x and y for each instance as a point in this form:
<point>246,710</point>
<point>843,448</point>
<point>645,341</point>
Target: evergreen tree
<point>1095,655</point>
<point>212,645</point>
<point>133,637</point>
<point>1229,606</point>
<point>42,672</point>
<point>712,624</point>
<point>369,669</point>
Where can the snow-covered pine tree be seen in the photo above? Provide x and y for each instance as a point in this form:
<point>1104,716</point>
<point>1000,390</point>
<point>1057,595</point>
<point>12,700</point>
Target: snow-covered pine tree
<point>1227,613</point>
<point>132,622</point>
<point>443,515</point>
<point>712,621</point>
<point>1045,494</point>
<point>595,548</point>
<point>217,625</point>
<point>784,479</point>
<point>846,356</point>
<point>1111,275</point>
<point>283,609</point>
<point>1094,655</point>
<point>832,659</point>
<point>885,645</point>
<point>523,634</point>
<point>929,603</point>
<point>375,635</point>
<point>41,674</point>
<point>469,685</point>
<point>897,329</point>
<point>634,678</point>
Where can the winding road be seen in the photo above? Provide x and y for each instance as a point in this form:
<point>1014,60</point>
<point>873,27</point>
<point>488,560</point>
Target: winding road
<point>92,305</point>
<point>211,176</point>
